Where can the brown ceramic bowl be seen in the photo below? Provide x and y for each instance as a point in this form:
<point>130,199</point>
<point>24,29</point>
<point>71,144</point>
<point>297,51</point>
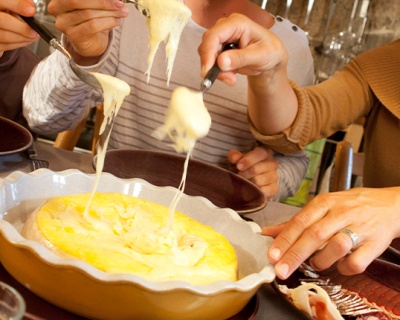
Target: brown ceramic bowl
<point>82,289</point>
<point>222,187</point>
<point>14,137</point>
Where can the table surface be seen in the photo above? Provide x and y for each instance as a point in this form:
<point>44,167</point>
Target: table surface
<point>271,305</point>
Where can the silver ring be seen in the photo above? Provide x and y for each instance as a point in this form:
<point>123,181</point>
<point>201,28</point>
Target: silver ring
<point>353,236</point>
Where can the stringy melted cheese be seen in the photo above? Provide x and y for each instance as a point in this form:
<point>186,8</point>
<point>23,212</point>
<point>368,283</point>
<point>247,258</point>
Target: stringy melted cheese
<point>166,21</point>
<point>130,237</point>
<point>114,91</point>
<point>187,120</point>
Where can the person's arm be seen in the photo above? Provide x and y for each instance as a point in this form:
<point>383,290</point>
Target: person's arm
<point>86,25</point>
<point>263,58</point>
<point>64,100</point>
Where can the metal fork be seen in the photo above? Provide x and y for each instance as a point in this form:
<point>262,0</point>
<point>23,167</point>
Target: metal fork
<point>348,303</point>
<point>35,161</point>
<point>141,9</point>
<point>52,40</point>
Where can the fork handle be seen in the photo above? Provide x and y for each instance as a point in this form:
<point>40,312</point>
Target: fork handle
<point>212,74</point>
<point>40,28</point>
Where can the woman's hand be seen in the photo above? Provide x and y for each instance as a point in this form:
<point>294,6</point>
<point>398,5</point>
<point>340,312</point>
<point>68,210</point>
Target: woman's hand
<point>87,25</point>
<point>14,32</point>
<point>260,51</point>
<point>372,214</point>
<point>262,57</point>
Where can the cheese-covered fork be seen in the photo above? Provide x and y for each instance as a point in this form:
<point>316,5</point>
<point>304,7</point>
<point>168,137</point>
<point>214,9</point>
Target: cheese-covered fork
<point>141,9</point>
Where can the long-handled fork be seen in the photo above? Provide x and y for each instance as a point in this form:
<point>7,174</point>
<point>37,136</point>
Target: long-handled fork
<point>52,40</point>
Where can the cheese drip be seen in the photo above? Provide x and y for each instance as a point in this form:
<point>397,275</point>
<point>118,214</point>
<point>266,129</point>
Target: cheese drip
<point>114,91</point>
<point>132,238</point>
<point>187,121</point>
<point>166,21</point>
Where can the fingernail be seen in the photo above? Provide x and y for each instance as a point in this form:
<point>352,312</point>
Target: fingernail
<point>225,63</point>
<point>275,253</point>
<point>240,166</point>
<point>118,4</point>
<point>125,10</point>
<point>29,11</point>
<point>282,270</point>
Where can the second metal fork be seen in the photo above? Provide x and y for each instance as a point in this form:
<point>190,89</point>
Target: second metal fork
<point>35,161</point>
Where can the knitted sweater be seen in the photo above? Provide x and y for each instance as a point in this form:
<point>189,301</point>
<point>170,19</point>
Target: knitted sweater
<point>368,86</point>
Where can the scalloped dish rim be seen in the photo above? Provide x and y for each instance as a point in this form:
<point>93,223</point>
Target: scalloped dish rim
<point>245,284</point>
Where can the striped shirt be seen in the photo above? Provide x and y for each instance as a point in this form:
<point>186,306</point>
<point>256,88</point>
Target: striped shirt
<point>55,100</point>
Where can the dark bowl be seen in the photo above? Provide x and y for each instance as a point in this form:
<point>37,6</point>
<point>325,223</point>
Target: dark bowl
<point>223,188</point>
<point>14,137</point>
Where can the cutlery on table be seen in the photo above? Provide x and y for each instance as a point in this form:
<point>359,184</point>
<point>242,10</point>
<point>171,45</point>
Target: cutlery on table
<point>33,157</point>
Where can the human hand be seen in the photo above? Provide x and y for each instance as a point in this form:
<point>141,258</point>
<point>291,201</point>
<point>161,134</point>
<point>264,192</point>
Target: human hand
<point>260,51</point>
<point>258,166</point>
<point>261,56</point>
<point>15,33</point>
<point>87,25</point>
<point>372,214</point>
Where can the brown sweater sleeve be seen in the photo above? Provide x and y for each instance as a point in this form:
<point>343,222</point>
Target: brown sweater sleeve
<point>324,109</point>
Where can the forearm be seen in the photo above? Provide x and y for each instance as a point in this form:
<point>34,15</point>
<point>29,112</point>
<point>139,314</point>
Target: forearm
<point>272,102</point>
<point>54,99</point>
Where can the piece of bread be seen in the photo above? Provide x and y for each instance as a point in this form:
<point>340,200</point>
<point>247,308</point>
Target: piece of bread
<point>124,234</point>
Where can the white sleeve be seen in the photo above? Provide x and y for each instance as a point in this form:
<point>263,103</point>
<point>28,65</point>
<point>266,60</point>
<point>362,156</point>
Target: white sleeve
<point>291,171</point>
<point>54,99</point>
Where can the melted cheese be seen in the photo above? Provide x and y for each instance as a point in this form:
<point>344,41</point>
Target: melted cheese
<point>187,120</point>
<point>130,237</point>
<point>166,21</point>
<point>114,92</point>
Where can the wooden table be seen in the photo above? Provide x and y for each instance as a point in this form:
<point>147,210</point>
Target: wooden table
<point>271,305</point>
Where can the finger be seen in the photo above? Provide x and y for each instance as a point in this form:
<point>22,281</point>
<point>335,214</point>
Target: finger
<point>88,22</point>
<point>336,248</point>
<point>23,7</point>
<point>361,257</point>
<point>293,245</point>
<point>13,30</point>
<point>57,7</point>
<point>257,155</point>
<point>12,46</point>
<point>235,29</point>
<point>273,231</point>
<point>234,156</point>
<point>270,190</point>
